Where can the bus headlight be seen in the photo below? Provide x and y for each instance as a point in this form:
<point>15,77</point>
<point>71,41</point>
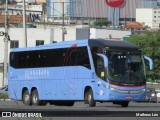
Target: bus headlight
<point>112,89</point>
<point>152,94</point>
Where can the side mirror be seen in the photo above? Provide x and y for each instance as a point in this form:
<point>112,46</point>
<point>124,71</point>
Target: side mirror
<point>150,62</point>
<point>105,59</point>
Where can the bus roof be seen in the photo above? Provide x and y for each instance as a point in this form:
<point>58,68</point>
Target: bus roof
<point>91,42</point>
<point>113,44</point>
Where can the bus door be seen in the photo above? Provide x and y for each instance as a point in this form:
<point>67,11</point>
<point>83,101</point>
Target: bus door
<point>101,71</point>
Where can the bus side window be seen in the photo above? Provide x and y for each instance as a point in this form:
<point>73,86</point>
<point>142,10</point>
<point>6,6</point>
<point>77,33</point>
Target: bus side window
<point>72,58</point>
<point>13,58</point>
<point>83,57</point>
<point>57,58</point>
<point>44,58</point>
<point>22,60</point>
<point>32,59</point>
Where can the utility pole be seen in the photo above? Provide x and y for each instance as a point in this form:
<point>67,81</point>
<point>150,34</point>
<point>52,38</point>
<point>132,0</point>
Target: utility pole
<point>6,39</point>
<point>63,29</point>
<point>63,16</point>
<point>53,11</point>
<point>114,9</point>
<point>24,23</point>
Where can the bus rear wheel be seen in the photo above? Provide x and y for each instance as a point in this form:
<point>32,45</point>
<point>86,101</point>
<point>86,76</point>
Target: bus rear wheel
<point>35,98</point>
<point>26,98</point>
<point>89,98</point>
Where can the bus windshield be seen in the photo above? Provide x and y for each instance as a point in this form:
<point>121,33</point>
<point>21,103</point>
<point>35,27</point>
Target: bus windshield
<point>126,68</point>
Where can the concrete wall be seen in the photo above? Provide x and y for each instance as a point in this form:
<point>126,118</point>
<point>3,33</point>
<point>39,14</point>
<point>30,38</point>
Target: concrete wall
<point>71,34</point>
<point>145,16</point>
<point>82,34</point>
<point>104,33</point>
<point>150,17</point>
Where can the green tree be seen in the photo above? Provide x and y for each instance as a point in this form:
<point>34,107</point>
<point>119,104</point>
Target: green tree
<point>150,44</point>
<point>2,1</point>
<point>101,23</point>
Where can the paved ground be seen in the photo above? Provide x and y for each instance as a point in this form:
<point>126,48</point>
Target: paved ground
<point>80,111</point>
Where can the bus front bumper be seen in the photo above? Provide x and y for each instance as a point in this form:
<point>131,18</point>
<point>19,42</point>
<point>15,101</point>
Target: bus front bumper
<point>114,96</point>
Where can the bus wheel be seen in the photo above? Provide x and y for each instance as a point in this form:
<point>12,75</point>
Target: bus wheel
<point>124,104</point>
<point>35,98</point>
<point>90,99</point>
<point>26,98</point>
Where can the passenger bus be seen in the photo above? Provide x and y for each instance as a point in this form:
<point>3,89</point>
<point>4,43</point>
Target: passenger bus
<point>92,70</point>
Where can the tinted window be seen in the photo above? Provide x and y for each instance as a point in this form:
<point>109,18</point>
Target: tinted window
<point>71,57</point>
<point>83,58</point>
<point>50,58</point>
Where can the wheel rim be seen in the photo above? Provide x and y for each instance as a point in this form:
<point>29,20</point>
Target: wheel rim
<point>89,98</point>
<point>26,98</point>
<point>35,98</point>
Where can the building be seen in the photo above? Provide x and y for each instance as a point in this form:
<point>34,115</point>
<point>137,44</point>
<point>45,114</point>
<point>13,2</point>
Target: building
<point>30,1</point>
<point>91,10</point>
<point>41,1</point>
<point>34,13</point>
<point>109,34</point>
<point>136,27</point>
<point>149,17</point>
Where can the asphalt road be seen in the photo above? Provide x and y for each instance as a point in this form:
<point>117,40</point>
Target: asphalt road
<point>80,111</point>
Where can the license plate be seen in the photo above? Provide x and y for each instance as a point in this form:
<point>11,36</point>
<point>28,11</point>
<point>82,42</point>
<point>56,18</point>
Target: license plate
<point>129,97</point>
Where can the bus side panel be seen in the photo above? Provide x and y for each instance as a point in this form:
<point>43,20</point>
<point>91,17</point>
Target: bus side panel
<point>73,83</point>
<point>72,86</point>
<point>49,88</point>
<point>14,90</point>
<point>86,77</point>
<point>69,88</point>
<point>50,84</point>
<point>14,84</point>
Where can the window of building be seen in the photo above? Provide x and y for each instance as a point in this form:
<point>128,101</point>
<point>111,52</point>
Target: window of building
<point>154,16</point>
<point>54,41</point>
<point>14,44</point>
<point>39,42</point>
<point>155,12</point>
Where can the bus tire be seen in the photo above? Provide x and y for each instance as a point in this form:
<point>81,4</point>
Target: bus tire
<point>26,98</point>
<point>70,103</point>
<point>90,98</point>
<point>35,98</point>
<point>124,104</point>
